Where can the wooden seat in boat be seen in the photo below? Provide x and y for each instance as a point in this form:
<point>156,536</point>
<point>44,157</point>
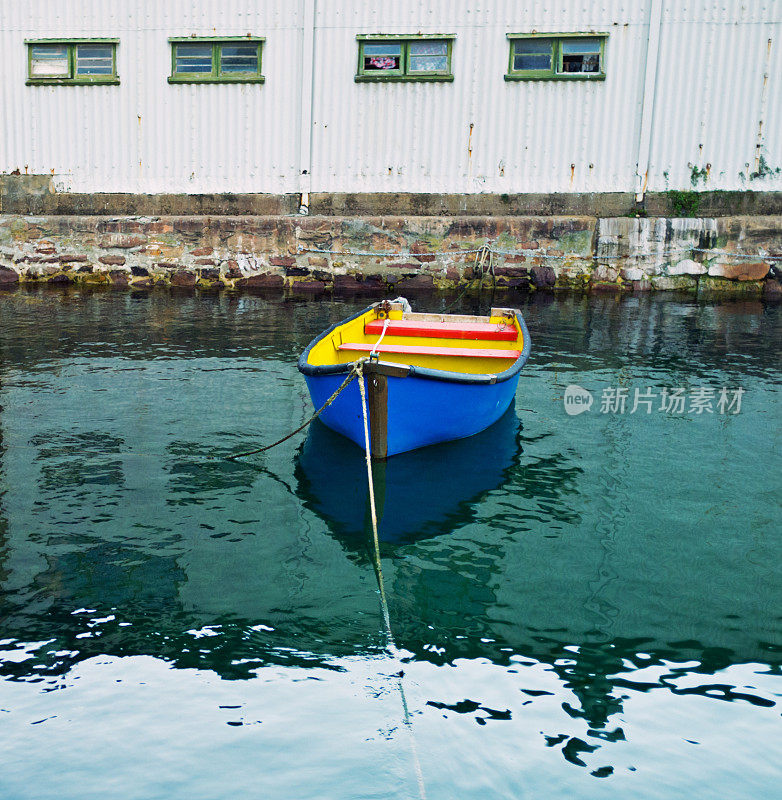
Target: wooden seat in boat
<point>428,350</point>
<point>444,330</point>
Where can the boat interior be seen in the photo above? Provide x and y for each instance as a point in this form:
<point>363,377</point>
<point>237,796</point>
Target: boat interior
<point>452,342</point>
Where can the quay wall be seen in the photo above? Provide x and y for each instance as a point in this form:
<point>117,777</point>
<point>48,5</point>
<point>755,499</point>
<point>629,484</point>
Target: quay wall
<point>376,255</point>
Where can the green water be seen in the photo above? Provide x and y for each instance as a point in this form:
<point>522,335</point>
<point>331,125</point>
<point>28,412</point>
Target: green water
<point>581,606</point>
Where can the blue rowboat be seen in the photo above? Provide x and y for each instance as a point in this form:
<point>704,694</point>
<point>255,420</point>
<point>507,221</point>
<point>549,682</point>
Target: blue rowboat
<point>429,377</point>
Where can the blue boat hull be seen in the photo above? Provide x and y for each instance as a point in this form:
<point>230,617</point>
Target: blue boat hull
<point>421,411</point>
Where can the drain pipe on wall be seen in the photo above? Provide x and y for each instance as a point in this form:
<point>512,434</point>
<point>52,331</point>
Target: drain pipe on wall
<point>306,95</point>
<point>647,108</point>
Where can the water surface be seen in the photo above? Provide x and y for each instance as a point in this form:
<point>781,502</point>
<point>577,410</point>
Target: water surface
<point>581,606</point>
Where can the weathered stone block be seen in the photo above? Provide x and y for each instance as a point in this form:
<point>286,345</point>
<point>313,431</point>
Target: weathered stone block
<point>138,271</point>
<point>8,276</point>
<point>407,265</point>
<point>633,274</point>
<point>415,283</point>
<point>282,261</point>
<point>119,277</point>
<point>209,273</point>
<point>183,277</point>
<point>60,279</point>
<point>294,271</point>
<point>512,272</point>
<point>512,283</point>
<point>687,267</point>
<point>160,226</point>
<point>309,287</point>
<point>317,261</point>
<point>543,275</point>
<point>188,224</point>
<point>673,282</point>
<point>123,241</point>
<point>112,260</point>
<point>605,274</point>
<point>207,262</point>
<point>265,280</point>
<point>202,251</point>
<point>743,271</point>
<point>725,286</point>
<point>350,284</point>
<point>772,289</point>
<point>71,257</point>
<point>231,268</point>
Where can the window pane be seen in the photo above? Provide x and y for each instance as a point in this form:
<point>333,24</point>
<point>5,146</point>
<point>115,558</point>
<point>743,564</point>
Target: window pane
<point>525,61</point>
<point>581,55</point>
<point>239,58</point>
<point>383,49</point>
<point>94,59</point>
<point>194,57</point>
<point>49,60</point>
<point>429,48</point>
<point>429,56</point>
<point>581,46</point>
<point>428,63</point>
<point>382,56</point>
<point>585,63</point>
<point>533,54</point>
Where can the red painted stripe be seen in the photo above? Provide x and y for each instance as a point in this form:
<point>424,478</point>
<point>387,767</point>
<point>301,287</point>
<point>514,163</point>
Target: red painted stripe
<point>445,330</point>
<point>423,350</point>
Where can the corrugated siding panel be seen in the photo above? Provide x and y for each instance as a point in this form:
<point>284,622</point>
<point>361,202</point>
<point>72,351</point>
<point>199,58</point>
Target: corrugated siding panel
<point>525,135</point>
<point>146,135</point>
<point>712,66</point>
<point>477,134</point>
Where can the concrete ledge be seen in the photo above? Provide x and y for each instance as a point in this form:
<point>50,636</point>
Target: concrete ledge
<point>35,194</point>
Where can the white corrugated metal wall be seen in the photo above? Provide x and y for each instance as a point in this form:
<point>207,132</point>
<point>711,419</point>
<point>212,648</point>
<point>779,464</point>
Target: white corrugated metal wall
<point>712,113</point>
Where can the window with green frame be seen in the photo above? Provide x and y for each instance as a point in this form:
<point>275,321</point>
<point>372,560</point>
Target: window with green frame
<point>556,56</point>
<point>405,58</point>
<point>227,59</point>
<point>72,61</point>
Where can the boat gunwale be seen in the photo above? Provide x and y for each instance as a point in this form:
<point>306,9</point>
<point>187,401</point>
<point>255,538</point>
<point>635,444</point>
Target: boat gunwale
<point>415,371</point>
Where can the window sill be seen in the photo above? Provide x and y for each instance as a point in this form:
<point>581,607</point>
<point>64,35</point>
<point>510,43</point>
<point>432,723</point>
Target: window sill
<point>210,79</point>
<point>72,82</point>
<point>403,78</point>
<point>597,76</point>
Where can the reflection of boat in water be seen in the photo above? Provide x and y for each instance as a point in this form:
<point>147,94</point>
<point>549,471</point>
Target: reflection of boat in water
<point>419,494</point>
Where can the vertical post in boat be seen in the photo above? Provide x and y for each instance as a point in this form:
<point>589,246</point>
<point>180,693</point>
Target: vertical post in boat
<point>378,414</point>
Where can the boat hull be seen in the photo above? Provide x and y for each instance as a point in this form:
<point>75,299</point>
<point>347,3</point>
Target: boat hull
<point>421,411</point>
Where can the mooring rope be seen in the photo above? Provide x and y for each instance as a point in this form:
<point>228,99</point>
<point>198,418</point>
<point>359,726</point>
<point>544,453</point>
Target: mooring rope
<point>379,575</point>
<point>354,372</point>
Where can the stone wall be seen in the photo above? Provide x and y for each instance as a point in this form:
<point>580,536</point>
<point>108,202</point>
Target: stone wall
<point>376,255</point>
